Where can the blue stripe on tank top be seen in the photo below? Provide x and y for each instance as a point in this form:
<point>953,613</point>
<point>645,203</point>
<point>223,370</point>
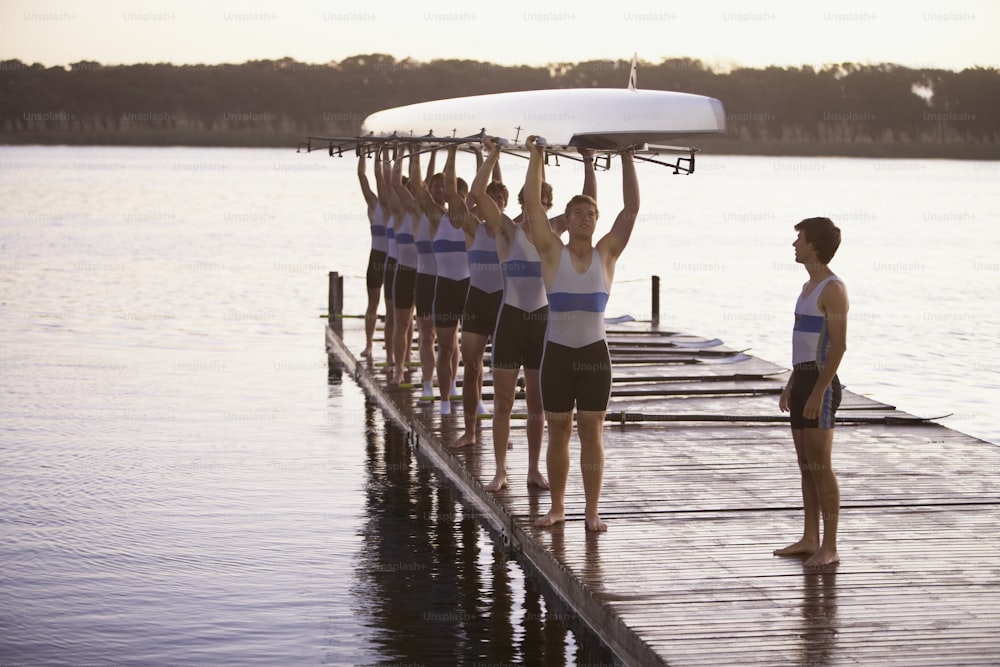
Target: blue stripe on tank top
<point>444,245</point>
<point>390,232</point>
<point>808,323</point>
<point>483,257</point>
<point>424,247</point>
<point>404,238</point>
<point>522,269</point>
<point>822,346</point>
<point>561,302</point>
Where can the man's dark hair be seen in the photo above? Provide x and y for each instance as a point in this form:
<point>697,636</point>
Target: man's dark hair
<point>496,187</point>
<point>823,235</point>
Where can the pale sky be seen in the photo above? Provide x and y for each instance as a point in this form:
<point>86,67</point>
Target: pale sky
<point>721,33</point>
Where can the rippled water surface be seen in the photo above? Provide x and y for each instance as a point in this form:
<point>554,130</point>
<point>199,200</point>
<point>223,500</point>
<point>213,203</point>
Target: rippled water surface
<point>185,478</point>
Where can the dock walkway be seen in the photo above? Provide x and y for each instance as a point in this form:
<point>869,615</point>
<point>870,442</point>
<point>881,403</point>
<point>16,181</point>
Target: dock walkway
<point>701,485</point>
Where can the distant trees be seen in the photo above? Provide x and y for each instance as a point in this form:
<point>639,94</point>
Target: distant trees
<point>839,103</point>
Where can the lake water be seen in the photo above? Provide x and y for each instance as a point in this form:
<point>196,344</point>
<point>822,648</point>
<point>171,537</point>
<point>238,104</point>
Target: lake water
<point>184,478</point>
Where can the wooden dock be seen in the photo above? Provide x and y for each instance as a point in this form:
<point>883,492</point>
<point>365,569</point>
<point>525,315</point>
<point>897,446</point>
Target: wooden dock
<point>701,485</point>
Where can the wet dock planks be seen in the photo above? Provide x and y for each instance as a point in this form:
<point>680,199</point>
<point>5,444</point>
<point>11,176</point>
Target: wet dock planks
<point>700,486</point>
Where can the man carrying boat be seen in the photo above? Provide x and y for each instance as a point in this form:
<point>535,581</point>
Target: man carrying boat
<point>519,334</point>
<point>482,304</point>
<point>812,394</point>
<point>377,256</point>
<point>576,364</point>
<point>425,204</point>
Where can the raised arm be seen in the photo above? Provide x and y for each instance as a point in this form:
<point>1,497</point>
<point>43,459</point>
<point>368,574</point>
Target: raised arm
<point>396,182</point>
<point>615,240</point>
<point>488,209</point>
<point>370,197</point>
<point>589,175</point>
<point>431,208</point>
<point>405,193</point>
<point>468,218</point>
<point>381,181</point>
<point>458,209</point>
<point>431,165</point>
<point>546,241</point>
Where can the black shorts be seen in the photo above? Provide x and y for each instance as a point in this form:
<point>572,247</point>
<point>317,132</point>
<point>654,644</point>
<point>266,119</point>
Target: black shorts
<point>449,301</point>
<point>481,310</point>
<point>376,269</point>
<point>402,290</point>
<point>519,338</point>
<point>389,278</point>
<point>578,376</point>
<point>803,380</point>
<point>423,295</point>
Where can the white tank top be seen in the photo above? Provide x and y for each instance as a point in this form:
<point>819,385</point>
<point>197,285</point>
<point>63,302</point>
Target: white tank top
<point>379,240</point>
<point>406,247</point>
<point>522,275</point>
<point>449,251</point>
<point>577,302</point>
<point>810,338</point>
<point>425,248</point>
<point>484,263</point>
<point>390,234</point>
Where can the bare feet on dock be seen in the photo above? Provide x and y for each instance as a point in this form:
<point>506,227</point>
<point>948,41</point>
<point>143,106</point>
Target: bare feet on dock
<point>499,482</point>
<point>595,524</point>
<point>803,547</point>
<point>822,558</point>
<point>536,479</point>
<point>550,519</point>
<point>465,440</point>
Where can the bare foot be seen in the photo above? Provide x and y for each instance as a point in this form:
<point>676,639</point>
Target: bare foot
<point>595,524</point>
<point>499,482</point>
<point>397,377</point>
<point>537,480</point>
<point>803,547</point>
<point>367,353</point>
<point>465,440</point>
<point>550,519</point>
<point>823,557</point>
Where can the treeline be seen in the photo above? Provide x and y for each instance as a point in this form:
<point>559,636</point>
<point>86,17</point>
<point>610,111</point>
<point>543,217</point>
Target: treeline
<point>270,101</point>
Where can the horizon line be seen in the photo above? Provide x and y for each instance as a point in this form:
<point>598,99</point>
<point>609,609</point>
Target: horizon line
<point>715,68</point>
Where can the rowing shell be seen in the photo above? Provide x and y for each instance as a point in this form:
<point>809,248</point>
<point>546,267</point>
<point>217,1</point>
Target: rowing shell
<point>598,118</point>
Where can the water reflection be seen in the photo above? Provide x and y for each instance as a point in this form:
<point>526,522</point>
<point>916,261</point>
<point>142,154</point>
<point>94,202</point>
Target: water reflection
<point>819,618</point>
<point>335,372</point>
<point>431,582</point>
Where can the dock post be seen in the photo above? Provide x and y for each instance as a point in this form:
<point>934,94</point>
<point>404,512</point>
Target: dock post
<point>655,312</point>
<point>335,299</point>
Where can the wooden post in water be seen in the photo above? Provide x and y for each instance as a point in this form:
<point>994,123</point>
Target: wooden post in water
<point>335,298</point>
<point>655,309</point>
